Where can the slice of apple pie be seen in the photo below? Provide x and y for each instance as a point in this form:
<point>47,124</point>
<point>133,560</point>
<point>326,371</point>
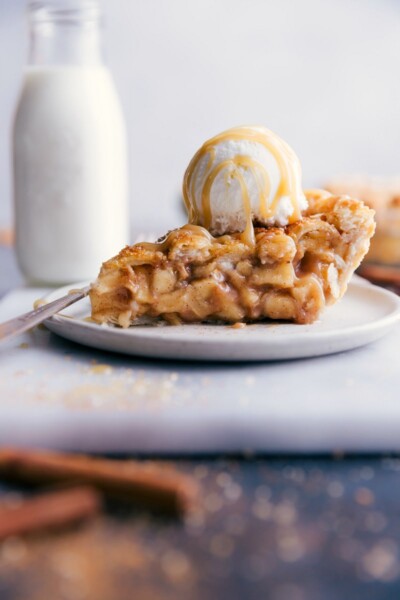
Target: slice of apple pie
<point>288,272</point>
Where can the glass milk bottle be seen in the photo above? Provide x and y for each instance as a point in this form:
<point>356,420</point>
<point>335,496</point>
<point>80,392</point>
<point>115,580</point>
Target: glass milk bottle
<point>70,155</point>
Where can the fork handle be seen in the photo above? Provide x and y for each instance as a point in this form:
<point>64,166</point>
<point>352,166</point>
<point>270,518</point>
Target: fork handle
<point>28,320</point>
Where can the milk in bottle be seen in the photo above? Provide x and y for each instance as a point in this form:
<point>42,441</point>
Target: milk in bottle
<point>70,155</point>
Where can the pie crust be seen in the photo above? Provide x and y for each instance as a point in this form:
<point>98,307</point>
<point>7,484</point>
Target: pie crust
<point>383,195</point>
<point>290,273</point>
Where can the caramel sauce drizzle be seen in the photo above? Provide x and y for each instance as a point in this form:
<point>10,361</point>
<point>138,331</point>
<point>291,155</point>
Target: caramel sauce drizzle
<point>285,158</point>
<point>164,244</point>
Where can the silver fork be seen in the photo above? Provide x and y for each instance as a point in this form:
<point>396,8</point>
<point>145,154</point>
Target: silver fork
<point>32,318</point>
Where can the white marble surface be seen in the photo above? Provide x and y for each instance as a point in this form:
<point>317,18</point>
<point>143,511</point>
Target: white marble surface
<point>322,73</point>
<point>58,394</point>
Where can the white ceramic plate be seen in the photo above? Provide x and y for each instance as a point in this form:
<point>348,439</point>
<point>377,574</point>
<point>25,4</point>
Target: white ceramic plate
<point>365,314</point>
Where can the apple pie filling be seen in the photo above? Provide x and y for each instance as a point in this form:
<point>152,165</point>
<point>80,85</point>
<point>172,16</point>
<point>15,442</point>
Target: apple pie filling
<point>287,273</point>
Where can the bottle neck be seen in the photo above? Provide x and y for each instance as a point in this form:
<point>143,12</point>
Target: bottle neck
<point>65,33</point>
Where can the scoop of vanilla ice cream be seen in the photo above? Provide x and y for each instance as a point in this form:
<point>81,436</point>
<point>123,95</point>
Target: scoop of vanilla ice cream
<point>244,173</point>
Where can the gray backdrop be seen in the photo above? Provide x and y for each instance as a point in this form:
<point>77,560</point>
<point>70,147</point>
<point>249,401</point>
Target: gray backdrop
<point>324,74</point>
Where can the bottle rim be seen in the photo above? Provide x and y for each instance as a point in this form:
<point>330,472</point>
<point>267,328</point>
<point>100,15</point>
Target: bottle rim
<point>64,11</point>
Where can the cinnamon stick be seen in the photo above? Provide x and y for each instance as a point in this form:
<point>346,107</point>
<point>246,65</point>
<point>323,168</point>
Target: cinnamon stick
<point>152,487</point>
<point>49,511</point>
<point>380,274</point>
